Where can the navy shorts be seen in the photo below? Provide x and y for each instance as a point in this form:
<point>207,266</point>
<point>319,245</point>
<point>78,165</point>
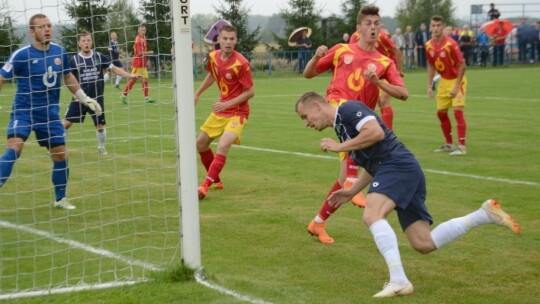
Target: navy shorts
<point>401,179</point>
<point>49,130</point>
<point>117,63</point>
<point>76,112</point>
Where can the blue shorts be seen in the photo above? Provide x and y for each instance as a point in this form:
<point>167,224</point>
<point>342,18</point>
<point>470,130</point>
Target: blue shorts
<point>76,112</point>
<point>49,130</point>
<point>401,179</point>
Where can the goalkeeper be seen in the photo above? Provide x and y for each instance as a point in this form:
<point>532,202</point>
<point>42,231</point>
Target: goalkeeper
<point>37,69</point>
<point>88,66</point>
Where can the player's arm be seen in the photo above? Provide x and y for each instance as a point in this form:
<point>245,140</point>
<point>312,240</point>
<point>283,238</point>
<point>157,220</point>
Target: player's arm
<point>396,91</point>
<point>121,72</point>
<point>369,134</point>
<point>222,106</point>
<point>207,82</point>
<point>399,60</point>
<point>310,70</point>
<point>74,87</point>
<point>461,72</point>
<point>342,196</point>
<point>430,74</point>
<point>1,81</point>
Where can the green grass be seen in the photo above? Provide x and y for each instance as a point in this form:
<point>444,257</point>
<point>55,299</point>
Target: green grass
<point>254,239</point>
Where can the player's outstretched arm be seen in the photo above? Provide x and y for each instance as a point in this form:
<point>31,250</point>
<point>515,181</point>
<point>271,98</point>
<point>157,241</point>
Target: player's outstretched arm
<point>310,70</point>
<point>74,87</point>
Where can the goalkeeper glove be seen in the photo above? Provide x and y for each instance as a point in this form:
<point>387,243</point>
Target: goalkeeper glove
<point>88,102</point>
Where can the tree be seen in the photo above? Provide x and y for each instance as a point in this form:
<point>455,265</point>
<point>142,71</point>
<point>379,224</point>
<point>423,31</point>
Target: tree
<point>89,16</point>
<point>123,20</point>
<point>350,9</point>
<point>301,13</point>
<point>157,17</point>
<point>10,42</point>
<point>237,15</point>
<point>415,12</point>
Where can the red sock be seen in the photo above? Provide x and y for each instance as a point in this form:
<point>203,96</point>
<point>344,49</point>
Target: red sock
<point>207,157</point>
<point>461,126</point>
<point>446,126</point>
<point>215,169</point>
<point>352,167</point>
<point>387,115</point>
<point>128,87</point>
<point>327,210</point>
<point>145,87</point>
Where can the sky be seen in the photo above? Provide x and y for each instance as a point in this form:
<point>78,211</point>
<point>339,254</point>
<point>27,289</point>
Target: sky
<point>23,9</point>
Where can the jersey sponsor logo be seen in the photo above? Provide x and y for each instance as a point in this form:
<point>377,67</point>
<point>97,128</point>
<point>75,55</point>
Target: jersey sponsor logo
<point>348,59</point>
<point>355,81</point>
<point>50,74</point>
<point>57,61</point>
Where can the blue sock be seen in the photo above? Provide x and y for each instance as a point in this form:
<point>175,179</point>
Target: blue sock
<point>60,176</point>
<point>7,160</point>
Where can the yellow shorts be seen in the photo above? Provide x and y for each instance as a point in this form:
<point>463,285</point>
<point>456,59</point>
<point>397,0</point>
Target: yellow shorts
<point>140,71</point>
<point>444,101</point>
<point>215,125</point>
<point>335,103</point>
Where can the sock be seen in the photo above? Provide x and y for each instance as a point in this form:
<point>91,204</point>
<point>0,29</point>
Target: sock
<point>207,157</point>
<point>7,160</point>
<point>101,137</point>
<point>352,168</point>
<point>455,228</point>
<point>106,77</point>
<point>60,177</point>
<point>386,241</point>
<point>326,210</point>
<point>387,115</point>
<point>461,126</point>
<point>446,126</point>
<point>145,87</point>
<point>118,80</point>
<point>215,169</point>
<point>128,87</point>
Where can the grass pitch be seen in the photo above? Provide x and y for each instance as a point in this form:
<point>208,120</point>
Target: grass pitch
<point>254,239</point>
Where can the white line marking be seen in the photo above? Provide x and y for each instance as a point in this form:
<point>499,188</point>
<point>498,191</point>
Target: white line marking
<point>199,276</point>
<point>490,178</point>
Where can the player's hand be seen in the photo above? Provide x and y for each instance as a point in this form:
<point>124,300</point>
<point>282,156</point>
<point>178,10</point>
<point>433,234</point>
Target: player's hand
<point>135,76</point>
<point>328,144</point>
<point>372,76</point>
<point>219,106</point>
<point>321,51</point>
<point>429,92</point>
<point>454,91</point>
<point>92,105</point>
<point>150,53</point>
<point>339,197</point>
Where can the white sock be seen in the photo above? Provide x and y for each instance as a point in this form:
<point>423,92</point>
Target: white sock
<point>318,219</point>
<point>455,228</point>
<point>118,79</point>
<point>386,241</point>
<point>101,137</point>
<point>106,76</point>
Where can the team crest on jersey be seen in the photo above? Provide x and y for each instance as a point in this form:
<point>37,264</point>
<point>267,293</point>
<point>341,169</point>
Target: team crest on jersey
<point>442,54</point>
<point>347,59</point>
<point>228,76</point>
<point>372,67</point>
<point>57,61</point>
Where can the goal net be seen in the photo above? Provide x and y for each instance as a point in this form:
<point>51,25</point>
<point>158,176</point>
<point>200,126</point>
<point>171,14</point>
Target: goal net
<point>127,221</point>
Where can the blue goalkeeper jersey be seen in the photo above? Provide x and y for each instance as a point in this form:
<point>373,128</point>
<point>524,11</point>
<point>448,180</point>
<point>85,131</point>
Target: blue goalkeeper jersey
<point>38,75</point>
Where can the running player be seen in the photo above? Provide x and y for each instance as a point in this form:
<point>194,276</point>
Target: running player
<point>115,53</point>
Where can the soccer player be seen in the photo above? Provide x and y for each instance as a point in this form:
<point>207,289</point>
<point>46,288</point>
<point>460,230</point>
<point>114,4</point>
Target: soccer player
<point>230,113</point>
<point>88,66</point>
<point>38,69</point>
<point>443,55</point>
<point>353,66</point>
<point>386,46</point>
<point>396,182</point>
<point>115,53</point>
<point>139,65</point>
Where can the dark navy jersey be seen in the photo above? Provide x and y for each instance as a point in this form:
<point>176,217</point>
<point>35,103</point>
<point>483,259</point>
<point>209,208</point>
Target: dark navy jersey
<point>350,118</point>
<point>38,75</point>
<point>114,49</point>
<point>89,72</point>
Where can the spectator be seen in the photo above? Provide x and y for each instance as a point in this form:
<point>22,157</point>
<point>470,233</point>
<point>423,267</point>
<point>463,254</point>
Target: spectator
<point>421,37</point>
<point>399,41</point>
<point>493,13</point>
<point>482,41</point>
<point>345,38</point>
<point>499,36</point>
<point>409,46</point>
<point>303,43</point>
<point>465,43</point>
